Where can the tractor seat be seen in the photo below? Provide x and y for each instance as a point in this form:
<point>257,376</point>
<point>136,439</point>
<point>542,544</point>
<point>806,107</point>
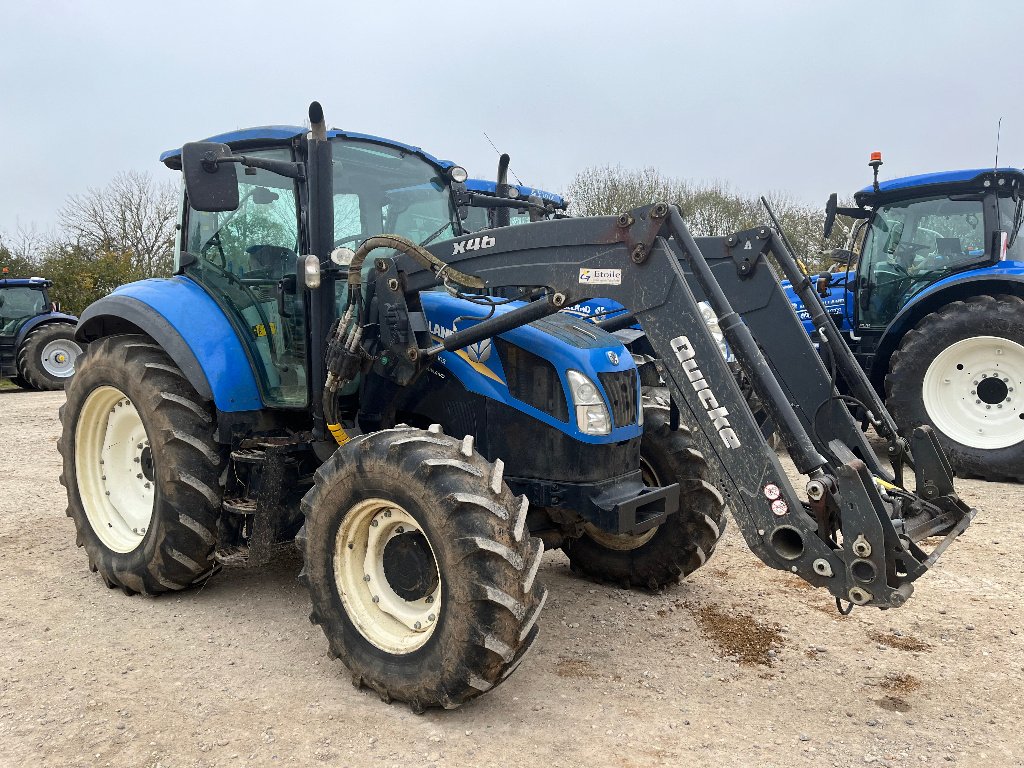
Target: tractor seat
<point>269,262</point>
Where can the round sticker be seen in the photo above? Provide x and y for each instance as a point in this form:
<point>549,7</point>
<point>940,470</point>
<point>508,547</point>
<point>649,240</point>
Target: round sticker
<point>772,492</point>
<point>779,507</point>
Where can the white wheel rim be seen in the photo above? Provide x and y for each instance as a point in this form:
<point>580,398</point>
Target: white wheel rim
<point>114,469</point>
<point>58,358</point>
<point>972,392</point>
<point>624,542</point>
<point>385,618</point>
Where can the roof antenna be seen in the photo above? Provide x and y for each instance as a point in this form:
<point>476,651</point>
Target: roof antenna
<point>518,180</point>
<point>999,127</point>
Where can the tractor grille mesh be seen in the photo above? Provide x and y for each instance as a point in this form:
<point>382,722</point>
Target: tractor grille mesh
<point>533,380</point>
<point>621,389</point>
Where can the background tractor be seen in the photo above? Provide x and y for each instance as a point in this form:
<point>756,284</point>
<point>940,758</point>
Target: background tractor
<point>37,341</point>
<point>419,431</point>
<point>930,298</point>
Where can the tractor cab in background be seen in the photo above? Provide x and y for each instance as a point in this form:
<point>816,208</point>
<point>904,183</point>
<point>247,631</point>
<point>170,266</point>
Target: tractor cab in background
<point>37,346</point>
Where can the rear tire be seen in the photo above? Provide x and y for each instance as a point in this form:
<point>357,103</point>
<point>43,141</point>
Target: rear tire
<point>141,467</point>
<point>961,371</point>
<point>467,612</point>
<point>47,356</point>
<point>681,544</point>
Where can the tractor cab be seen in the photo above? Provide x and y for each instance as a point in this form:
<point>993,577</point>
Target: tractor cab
<point>20,300</point>
<point>248,260</point>
<point>914,232</point>
<point>483,217</point>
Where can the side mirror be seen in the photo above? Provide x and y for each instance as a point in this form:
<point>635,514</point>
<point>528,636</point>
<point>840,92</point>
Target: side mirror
<point>830,214</point>
<point>211,185</point>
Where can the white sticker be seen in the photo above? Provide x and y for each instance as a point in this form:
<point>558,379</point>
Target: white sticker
<point>772,492</point>
<point>780,507</point>
<point>600,276</point>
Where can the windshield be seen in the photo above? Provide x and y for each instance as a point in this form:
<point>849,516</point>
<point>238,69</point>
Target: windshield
<point>17,304</point>
<point>380,189</point>
<point>911,243</point>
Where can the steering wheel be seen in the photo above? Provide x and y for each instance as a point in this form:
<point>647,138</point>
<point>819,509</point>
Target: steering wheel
<point>349,239</point>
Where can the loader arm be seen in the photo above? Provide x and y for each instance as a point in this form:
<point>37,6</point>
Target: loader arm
<point>854,535</point>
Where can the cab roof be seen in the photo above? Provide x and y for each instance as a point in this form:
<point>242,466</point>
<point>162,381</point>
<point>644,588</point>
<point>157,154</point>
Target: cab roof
<point>24,282</point>
<point>907,186</point>
<point>265,135</point>
<point>490,187</point>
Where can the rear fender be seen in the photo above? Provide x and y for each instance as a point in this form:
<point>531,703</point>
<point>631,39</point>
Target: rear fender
<point>190,327</point>
<point>38,320</point>
<point>1007,277</point>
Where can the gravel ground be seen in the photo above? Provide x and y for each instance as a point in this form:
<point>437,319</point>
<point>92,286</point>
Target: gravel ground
<point>739,665</point>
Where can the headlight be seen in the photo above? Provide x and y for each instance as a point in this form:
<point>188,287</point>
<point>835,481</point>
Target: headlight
<point>591,413</point>
<point>711,320</point>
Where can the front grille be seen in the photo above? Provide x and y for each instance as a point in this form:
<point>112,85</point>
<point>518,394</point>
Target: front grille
<point>620,387</point>
<point>533,380</point>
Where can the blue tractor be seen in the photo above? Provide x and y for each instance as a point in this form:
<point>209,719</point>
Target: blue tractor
<point>37,341</point>
<point>210,413</point>
<point>929,296</point>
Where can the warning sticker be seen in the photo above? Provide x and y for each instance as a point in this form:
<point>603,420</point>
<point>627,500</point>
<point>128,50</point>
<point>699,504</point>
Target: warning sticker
<point>601,276</point>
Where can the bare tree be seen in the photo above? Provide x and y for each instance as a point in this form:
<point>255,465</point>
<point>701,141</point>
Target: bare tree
<point>132,215</point>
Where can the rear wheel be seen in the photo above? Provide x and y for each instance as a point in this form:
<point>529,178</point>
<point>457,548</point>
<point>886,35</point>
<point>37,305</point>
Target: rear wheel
<point>47,355</point>
<point>141,467</point>
<point>681,544</point>
<point>420,568</point>
<point>961,371</point>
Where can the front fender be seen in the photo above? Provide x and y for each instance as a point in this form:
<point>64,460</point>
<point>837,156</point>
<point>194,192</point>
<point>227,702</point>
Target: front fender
<point>35,322</point>
<point>190,327</point>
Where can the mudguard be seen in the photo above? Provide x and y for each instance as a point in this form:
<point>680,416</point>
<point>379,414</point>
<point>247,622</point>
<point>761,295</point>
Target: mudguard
<point>190,327</point>
<point>479,368</point>
<point>1004,277</point>
<point>35,322</point>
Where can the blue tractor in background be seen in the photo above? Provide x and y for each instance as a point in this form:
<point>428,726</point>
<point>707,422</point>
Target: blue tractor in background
<point>279,387</point>
<point>37,341</point>
<point>929,295</point>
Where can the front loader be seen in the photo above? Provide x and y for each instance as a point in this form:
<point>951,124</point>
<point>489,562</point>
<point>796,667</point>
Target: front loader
<point>419,556</point>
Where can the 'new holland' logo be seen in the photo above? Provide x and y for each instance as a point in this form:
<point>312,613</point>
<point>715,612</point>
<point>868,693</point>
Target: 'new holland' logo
<point>478,353</point>
<point>719,415</point>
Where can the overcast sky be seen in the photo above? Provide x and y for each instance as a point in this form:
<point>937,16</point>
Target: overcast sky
<point>788,96</point>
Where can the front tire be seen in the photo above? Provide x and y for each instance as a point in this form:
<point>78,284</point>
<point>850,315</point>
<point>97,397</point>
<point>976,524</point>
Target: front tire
<point>681,544</point>
<point>141,467</point>
<point>420,569</point>
<point>47,356</point>
<point>961,371</point>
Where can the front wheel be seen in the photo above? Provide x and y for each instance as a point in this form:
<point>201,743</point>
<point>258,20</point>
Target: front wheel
<point>420,567</point>
<point>961,371</point>
<point>681,544</point>
<point>47,355</point>
<point>141,467</point>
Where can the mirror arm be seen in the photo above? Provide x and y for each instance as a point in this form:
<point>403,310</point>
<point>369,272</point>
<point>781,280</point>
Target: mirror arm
<point>280,167</point>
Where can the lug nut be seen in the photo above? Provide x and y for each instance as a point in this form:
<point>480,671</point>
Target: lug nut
<point>431,617</point>
<point>417,625</point>
<point>366,577</point>
<point>399,529</point>
<point>430,598</point>
<point>376,599</point>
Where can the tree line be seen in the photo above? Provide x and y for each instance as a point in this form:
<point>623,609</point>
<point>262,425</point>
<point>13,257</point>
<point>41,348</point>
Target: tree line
<point>710,209</point>
<point>125,231</point>
<point>104,238</point>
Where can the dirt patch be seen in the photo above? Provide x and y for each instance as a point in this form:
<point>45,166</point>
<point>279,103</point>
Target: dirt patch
<point>900,642</point>
<point>894,704</point>
<point>900,683</point>
<point>568,667</point>
<point>738,635</point>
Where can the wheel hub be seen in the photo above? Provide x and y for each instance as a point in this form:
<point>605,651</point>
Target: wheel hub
<point>387,576</point>
<point>58,358</point>
<point>409,565</point>
<point>115,483</point>
<point>971,392</point>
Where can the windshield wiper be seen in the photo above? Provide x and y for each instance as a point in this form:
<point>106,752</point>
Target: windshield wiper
<point>438,232</point>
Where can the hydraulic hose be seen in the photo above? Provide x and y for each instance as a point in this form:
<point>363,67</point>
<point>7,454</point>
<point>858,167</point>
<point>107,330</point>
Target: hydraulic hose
<point>424,257</point>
